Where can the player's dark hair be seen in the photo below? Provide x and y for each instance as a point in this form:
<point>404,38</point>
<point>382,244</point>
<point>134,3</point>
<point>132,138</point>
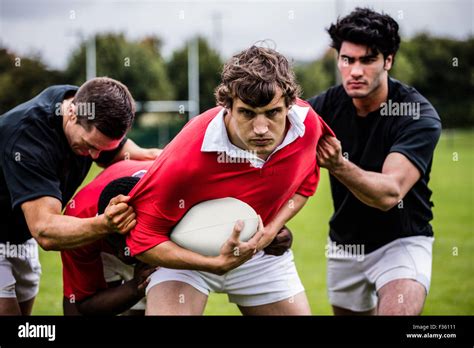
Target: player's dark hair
<point>120,186</point>
<point>254,75</point>
<point>363,26</point>
<point>106,104</point>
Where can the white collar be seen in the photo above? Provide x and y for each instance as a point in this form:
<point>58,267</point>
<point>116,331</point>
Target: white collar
<point>217,140</point>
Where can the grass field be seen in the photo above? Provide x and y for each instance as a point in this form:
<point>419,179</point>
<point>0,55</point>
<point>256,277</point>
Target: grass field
<point>452,284</point>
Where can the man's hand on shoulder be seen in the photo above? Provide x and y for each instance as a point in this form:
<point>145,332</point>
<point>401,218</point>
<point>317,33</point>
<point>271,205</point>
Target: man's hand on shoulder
<point>329,153</point>
<point>119,216</point>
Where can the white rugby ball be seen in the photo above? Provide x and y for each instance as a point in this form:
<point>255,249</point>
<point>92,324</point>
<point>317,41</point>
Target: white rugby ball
<point>207,225</point>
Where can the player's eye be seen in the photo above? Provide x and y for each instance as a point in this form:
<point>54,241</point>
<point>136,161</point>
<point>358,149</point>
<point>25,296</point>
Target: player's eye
<point>247,113</point>
<point>273,112</point>
<point>368,60</point>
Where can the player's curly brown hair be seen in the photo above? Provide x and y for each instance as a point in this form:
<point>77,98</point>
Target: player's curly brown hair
<point>254,76</point>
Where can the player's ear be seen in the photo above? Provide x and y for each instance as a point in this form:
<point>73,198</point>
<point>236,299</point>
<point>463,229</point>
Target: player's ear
<point>228,107</point>
<point>70,108</point>
<point>71,112</point>
<point>388,62</point>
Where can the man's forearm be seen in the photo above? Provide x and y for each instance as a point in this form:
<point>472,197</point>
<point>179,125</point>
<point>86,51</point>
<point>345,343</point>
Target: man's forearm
<point>285,214</point>
<point>379,190</point>
<point>60,232</point>
<point>131,151</point>
<point>374,189</point>
<point>111,301</point>
<point>170,255</point>
<point>288,211</point>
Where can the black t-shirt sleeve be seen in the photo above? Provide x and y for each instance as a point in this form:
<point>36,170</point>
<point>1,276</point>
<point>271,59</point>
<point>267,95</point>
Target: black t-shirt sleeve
<point>30,172</point>
<point>417,138</point>
<point>318,104</point>
<point>106,157</point>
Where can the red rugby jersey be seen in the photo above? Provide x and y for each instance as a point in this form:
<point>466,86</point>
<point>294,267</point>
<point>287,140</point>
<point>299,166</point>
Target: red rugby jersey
<point>83,273</point>
<point>183,176</point>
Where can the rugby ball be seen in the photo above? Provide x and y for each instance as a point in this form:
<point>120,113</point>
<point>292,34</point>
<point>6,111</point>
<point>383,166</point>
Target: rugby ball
<point>208,225</point>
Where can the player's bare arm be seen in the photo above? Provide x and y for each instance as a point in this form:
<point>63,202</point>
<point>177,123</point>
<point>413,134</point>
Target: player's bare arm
<point>54,231</point>
<point>131,151</point>
<point>379,190</point>
<point>285,214</point>
<point>116,300</point>
<point>233,253</point>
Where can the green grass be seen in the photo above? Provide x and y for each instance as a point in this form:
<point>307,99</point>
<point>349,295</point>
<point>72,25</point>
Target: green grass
<point>452,278</point>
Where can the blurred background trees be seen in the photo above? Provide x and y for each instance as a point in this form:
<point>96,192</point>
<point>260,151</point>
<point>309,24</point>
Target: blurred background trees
<point>21,78</point>
<point>137,64</point>
<point>210,66</point>
<point>440,68</point>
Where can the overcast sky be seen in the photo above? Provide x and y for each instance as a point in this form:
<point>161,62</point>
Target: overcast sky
<point>52,28</point>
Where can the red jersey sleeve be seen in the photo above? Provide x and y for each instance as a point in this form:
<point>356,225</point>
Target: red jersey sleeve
<point>151,230</point>
<point>310,184</point>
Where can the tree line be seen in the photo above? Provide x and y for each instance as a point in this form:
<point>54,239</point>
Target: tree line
<point>440,68</point>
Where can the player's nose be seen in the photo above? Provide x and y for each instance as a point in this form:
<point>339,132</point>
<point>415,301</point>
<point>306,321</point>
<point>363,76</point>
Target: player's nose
<point>260,125</point>
<point>94,154</point>
<point>356,70</point>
